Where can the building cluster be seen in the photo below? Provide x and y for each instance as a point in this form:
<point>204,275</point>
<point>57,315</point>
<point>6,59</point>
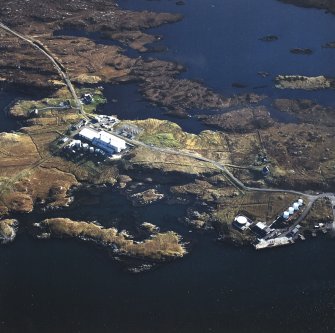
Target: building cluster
<point>86,99</point>
<point>273,242</point>
<point>290,213</point>
<point>270,235</point>
<point>92,136</point>
<point>96,142</point>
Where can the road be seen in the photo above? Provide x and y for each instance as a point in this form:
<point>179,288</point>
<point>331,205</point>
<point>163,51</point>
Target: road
<point>237,183</point>
<point>229,176</point>
<point>58,66</point>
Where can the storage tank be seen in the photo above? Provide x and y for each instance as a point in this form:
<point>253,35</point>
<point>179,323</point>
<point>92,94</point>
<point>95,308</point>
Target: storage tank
<point>296,206</point>
<point>301,202</point>
<point>291,210</point>
<point>86,146</point>
<point>286,215</point>
<point>241,220</point>
<point>91,150</point>
<point>77,143</point>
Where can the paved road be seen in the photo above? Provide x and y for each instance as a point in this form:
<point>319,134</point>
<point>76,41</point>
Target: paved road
<point>230,177</point>
<point>236,182</point>
<point>59,67</point>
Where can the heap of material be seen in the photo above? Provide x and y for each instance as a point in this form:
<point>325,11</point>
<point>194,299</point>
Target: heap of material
<point>280,241</point>
<point>103,140</point>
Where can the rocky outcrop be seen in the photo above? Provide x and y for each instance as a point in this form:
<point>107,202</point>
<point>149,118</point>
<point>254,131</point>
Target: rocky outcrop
<point>329,45</point>
<point>321,4</point>
<point>241,120</point>
<point>304,82</point>
<point>307,111</point>
<point>8,229</point>
<point>159,247</point>
<point>146,198</point>
<point>302,51</point>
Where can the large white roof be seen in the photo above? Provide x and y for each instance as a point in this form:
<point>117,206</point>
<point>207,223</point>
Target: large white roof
<point>261,225</point>
<point>111,139</point>
<point>241,219</point>
<point>88,133</point>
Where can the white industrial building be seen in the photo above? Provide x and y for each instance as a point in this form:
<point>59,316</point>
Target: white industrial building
<point>88,134</point>
<point>109,143</point>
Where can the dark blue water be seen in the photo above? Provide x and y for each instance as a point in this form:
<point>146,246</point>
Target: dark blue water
<point>68,286</point>
<point>6,124</point>
<point>126,102</point>
<point>218,43</point>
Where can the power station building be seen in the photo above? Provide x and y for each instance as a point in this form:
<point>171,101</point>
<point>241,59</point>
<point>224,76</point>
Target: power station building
<point>107,142</point>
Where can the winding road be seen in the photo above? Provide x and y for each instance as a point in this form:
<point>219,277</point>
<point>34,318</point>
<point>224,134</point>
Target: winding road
<point>58,66</point>
<point>237,183</point>
<point>229,176</point>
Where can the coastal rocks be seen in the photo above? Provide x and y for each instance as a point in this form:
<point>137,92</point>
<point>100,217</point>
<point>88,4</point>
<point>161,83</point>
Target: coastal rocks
<point>307,111</point>
<point>159,85</point>
<point>8,229</point>
<point>269,38</point>
<point>241,120</point>
<point>137,40</point>
<point>123,180</point>
<point>304,82</point>
<point>159,247</point>
<point>302,51</point>
<point>263,74</point>
<point>321,4</point>
<point>198,220</point>
<point>146,198</point>
<point>150,227</point>
<point>329,45</point>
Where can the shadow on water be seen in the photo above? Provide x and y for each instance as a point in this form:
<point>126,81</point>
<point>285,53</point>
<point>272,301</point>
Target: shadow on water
<point>7,124</point>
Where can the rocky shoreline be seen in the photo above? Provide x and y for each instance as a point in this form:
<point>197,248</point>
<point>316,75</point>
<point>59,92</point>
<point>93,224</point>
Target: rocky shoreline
<point>329,5</point>
<point>298,156</point>
<point>160,246</point>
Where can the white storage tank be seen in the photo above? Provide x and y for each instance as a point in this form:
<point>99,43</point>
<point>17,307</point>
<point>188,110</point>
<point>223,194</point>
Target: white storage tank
<point>91,150</point>
<point>77,143</point>
<point>242,220</point>
<point>291,210</point>
<point>286,215</point>
<point>301,202</point>
<point>296,206</point>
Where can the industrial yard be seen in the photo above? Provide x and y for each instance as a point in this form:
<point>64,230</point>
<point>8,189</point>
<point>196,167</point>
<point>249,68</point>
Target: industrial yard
<point>96,138</point>
<point>284,230</point>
